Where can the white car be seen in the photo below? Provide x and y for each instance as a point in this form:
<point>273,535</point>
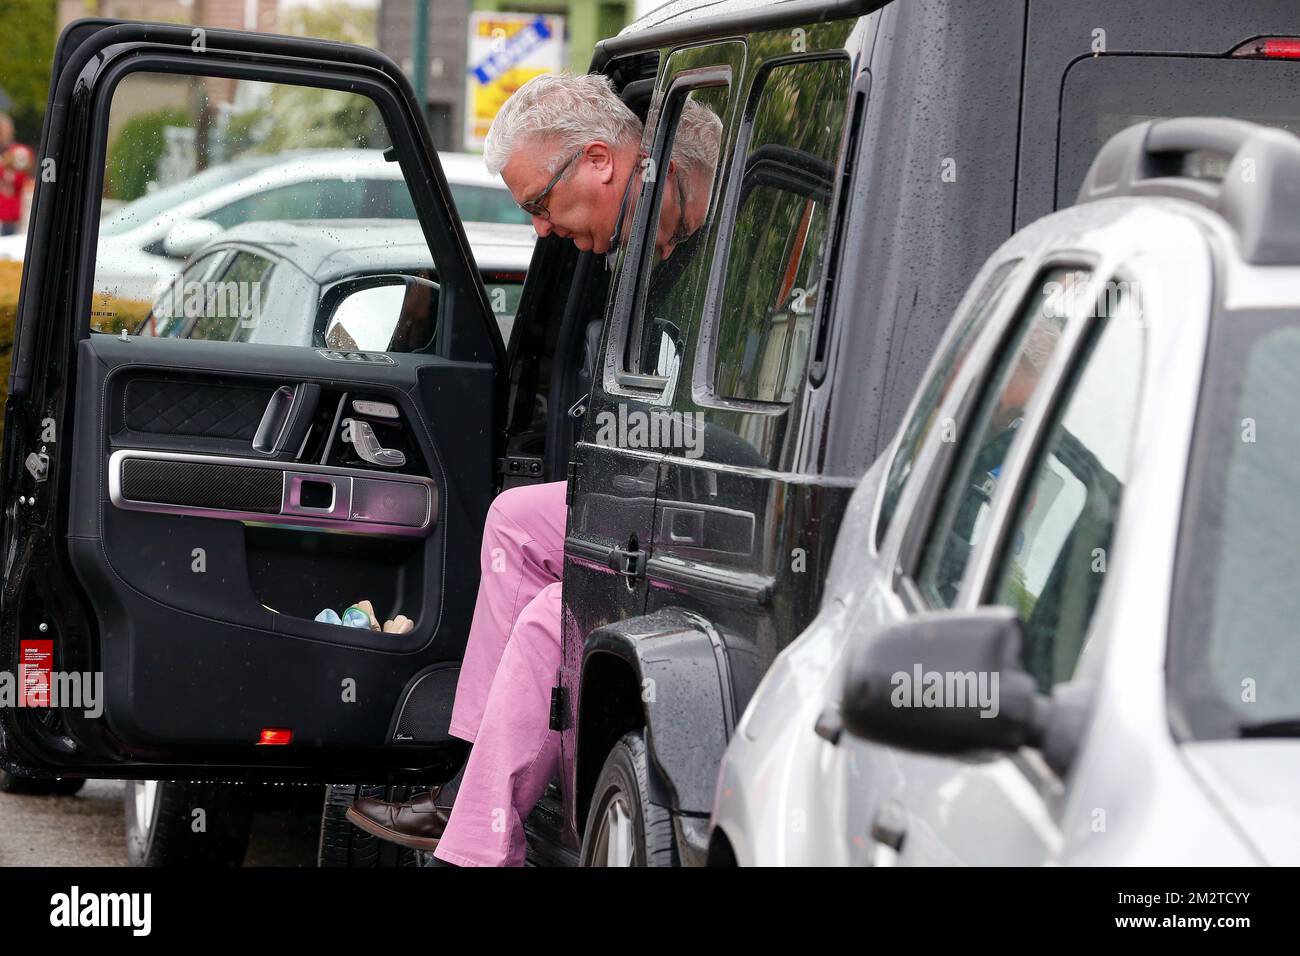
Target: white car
<point>143,245</point>
<point>296,264</point>
<point>1060,622</point>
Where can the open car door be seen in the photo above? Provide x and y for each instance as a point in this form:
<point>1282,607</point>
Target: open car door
<point>180,506</point>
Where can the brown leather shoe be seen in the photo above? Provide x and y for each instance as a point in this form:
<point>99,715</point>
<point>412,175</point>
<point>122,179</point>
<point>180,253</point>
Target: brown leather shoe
<point>416,823</point>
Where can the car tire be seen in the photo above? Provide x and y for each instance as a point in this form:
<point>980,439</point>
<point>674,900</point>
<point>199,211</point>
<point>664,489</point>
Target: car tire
<point>624,828</point>
<point>342,844</point>
<point>39,786</point>
<point>160,823</point>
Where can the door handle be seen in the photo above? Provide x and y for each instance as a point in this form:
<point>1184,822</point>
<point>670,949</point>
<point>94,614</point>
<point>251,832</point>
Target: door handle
<point>287,419</point>
<point>889,826</point>
<point>363,439</point>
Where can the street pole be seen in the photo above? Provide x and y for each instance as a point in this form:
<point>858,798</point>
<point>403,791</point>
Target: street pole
<point>420,56</point>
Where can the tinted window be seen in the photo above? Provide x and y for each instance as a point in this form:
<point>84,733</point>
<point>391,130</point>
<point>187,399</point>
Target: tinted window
<point>968,496</point>
<point>935,390</point>
<point>1058,552</point>
<point>1233,651</point>
<point>1103,95</point>
<point>774,266</point>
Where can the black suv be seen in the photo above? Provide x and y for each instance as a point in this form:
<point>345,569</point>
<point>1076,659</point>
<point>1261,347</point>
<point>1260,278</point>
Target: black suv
<point>873,155</point>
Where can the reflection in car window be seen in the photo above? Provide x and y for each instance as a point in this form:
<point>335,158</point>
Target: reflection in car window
<point>685,209</point>
<point>1233,663</point>
<point>936,389</point>
<point>774,264</point>
<point>1058,553</point>
<point>967,498</point>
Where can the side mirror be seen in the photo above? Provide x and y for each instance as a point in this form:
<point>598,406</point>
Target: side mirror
<point>945,683</point>
<point>187,236</point>
<point>378,313</point>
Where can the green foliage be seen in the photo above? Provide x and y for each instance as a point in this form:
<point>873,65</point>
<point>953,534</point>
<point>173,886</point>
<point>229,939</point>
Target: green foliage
<point>27,53</point>
<point>134,153</point>
<point>299,117</point>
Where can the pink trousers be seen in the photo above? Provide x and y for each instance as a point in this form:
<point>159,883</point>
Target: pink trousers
<point>503,696</point>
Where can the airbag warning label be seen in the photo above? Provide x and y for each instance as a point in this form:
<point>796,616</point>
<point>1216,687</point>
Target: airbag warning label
<point>34,669</point>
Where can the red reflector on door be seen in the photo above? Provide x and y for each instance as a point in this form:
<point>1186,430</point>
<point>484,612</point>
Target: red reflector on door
<point>275,735</point>
<point>1272,48</point>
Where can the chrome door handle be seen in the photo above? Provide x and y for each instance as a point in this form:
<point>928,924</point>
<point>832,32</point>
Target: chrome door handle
<point>363,439</point>
<point>889,826</point>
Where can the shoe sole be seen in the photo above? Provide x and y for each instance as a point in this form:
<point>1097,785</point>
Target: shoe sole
<point>392,836</point>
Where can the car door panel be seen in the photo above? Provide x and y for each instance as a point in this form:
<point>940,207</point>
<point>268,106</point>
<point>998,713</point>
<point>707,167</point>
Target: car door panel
<point>175,591</point>
<point>178,511</point>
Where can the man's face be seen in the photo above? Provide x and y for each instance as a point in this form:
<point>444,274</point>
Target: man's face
<point>6,131</point>
<point>682,210</point>
<point>583,205</point>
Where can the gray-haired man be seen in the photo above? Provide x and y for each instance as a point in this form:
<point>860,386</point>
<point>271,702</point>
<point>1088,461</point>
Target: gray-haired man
<point>570,152</point>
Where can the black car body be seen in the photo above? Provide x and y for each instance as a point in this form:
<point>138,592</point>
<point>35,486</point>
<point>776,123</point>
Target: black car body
<point>899,145</point>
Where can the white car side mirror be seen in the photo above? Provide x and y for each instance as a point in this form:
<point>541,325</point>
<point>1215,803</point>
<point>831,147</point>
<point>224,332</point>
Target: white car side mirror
<point>186,236</point>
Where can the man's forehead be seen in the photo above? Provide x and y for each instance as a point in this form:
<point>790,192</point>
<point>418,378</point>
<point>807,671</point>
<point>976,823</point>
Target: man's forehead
<point>530,160</point>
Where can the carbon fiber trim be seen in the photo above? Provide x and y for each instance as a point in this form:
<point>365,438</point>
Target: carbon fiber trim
<point>202,485</point>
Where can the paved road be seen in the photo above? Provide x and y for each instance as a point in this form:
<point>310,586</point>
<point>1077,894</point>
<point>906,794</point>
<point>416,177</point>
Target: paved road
<point>86,830</point>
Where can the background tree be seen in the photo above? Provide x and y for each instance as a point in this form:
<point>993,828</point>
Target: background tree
<point>26,55</point>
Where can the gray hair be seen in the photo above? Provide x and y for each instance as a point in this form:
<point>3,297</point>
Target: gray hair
<point>697,142</point>
<point>566,111</point>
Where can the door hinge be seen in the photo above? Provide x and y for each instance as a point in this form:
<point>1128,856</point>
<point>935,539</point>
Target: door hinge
<point>557,708</point>
<point>572,478</point>
<point>629,561</point>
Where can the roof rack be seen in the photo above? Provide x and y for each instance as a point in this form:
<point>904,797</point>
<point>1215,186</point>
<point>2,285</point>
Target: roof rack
<point>1259,194</point>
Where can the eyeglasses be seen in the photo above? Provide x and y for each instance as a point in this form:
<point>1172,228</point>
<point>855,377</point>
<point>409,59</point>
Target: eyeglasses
<point>682,232</point>
<point>537,206</point>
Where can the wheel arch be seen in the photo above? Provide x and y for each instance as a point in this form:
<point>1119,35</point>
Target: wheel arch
<point>664,672</point>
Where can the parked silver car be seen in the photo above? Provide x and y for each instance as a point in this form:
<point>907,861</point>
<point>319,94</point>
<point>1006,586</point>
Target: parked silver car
<point>1060,623</point>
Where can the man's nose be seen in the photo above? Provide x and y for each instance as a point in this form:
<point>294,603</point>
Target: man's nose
<point>542,226</point>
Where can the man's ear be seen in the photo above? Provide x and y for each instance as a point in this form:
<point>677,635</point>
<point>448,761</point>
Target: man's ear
<point>601,158</point>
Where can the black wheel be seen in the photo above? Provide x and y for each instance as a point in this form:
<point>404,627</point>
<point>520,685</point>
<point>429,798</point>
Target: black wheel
<point>39,786</point>
<point>161,823</point>
<point>623,827</point>
<point>342,844</point>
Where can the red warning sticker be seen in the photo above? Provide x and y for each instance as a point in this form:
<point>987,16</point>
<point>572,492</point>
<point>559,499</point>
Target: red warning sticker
<point>34,668</point>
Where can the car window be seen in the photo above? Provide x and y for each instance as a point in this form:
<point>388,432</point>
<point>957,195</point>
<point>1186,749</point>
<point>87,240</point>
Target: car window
<point>936,389</point>
<point>504,290</point>
<point>1103,95</point>
<point>347,198</point>
<point>313,159</point>
<point>487,204</point>
<point>667,298</point>
<point>167,316</point>
<point>234,301</point>
<point>1233,667</point>
<point>1058,553</point>
<point>967,497</point>
<point>772,283</point>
